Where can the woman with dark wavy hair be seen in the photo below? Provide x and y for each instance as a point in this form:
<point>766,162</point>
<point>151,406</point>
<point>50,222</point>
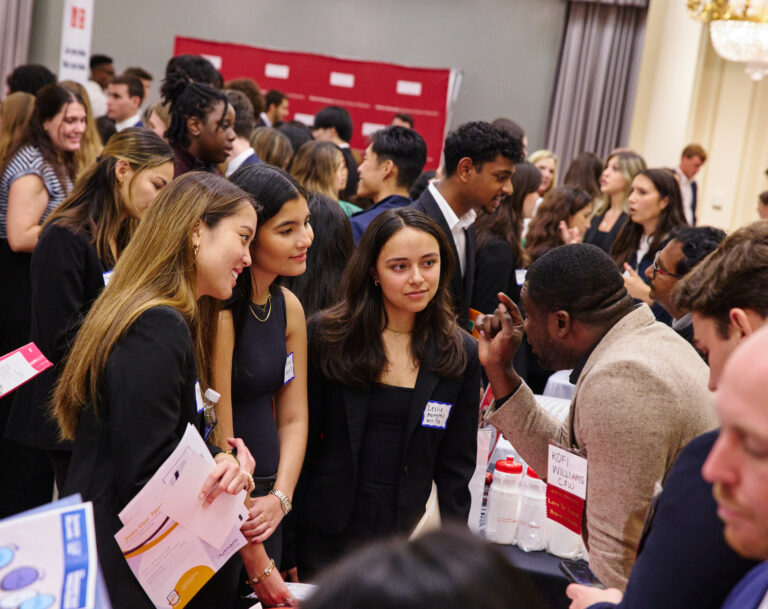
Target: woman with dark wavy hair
<point>655,208</point>
<point>562,218</point>
<point>394,388</point>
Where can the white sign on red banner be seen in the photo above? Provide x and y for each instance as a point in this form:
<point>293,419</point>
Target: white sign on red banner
<point>19,366</point>
<point>76,27</point>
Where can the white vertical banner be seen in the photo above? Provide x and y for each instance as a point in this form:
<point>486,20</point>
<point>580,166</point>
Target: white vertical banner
<point>76,27</point>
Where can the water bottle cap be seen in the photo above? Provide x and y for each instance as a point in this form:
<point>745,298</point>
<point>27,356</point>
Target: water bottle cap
<point>212,395</point>
<point>532,474</point>
<point>508,466</point>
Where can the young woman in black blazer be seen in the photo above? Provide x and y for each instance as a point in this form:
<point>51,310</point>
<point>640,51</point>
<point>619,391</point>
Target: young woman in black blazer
<point>78,246</point>
<point>127,391</point>
<point>393,395</point>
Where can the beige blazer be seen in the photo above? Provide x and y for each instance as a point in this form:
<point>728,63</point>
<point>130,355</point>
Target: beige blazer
<point>641,397</point>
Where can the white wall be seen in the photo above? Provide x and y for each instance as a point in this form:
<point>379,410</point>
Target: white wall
<point>507,49</point>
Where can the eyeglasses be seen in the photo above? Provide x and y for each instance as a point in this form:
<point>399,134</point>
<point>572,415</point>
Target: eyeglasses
<point>661,271</point>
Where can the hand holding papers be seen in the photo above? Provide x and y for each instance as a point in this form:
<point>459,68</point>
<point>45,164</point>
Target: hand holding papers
<point>172,544</point>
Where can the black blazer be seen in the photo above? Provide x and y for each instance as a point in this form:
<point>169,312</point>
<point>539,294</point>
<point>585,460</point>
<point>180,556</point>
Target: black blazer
<point>494,272</point>
<point>147,398</point>
<point>337,420</point>
<point>461,289</point>
<point>67,277</point>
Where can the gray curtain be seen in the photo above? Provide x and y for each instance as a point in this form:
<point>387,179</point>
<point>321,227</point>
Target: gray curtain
<point>594,93</point>
<point>15,24</point>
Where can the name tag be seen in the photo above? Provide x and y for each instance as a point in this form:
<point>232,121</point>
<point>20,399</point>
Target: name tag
<point>107,276</point>
<point>199,398</point>
<point>566,487</point>
<point>436,415</point>
<point>288,375</point>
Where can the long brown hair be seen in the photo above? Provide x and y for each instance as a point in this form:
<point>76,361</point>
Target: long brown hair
<point>95,205</point>
<point>558,205</point>
<point>156,269</point>
<point>507,221</point>
<point>50,100</point>
<point>628,239</point>
<point>315,165</point>
<point>90,143</point>
<point>15,112</point>
<point>346,338</point>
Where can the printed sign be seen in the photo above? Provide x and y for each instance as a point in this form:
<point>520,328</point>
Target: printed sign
<point>566,487</point>
<point>76,27</point>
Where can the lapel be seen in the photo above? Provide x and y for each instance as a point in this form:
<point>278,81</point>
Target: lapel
<point>427,202</point>
<point>426,382</point>
<point>356,403</point>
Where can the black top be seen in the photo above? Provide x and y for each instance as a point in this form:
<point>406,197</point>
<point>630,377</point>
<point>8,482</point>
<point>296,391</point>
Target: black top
<point>381,451</point>
<point>602,239</point>
<point>494,272</point>
<point>147,398</point>
<point>258,372</point>
<point>67,277</point>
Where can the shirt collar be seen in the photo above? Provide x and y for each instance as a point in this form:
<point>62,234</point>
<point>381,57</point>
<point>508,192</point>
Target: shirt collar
<point>129,122</point>
<point>450,216</point>
<point>576,372</point>
<point>265,119</point>
<point>235,162</point>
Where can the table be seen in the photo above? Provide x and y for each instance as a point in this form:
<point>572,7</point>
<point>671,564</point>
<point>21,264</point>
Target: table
<point>543,570</point>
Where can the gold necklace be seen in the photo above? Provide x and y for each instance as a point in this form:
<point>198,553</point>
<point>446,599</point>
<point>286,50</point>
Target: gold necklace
<point>398,332</point>
<point>265,309</point>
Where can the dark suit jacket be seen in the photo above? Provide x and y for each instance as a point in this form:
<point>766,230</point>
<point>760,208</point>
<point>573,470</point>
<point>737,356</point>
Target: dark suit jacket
<point>684,560</point>
<point>147,398</point>
<point>337,421</point>
<point>67,277</point>
<point>494,272</point>
<point>461,289</point>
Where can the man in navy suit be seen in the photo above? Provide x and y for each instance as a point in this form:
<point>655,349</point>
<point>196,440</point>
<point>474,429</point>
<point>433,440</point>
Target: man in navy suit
<point>392,162</point>
<point>242,152</point>
<point>124,97</point>
<point>479,160</point>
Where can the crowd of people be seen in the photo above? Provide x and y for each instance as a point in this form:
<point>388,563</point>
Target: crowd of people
<point>206,241</point>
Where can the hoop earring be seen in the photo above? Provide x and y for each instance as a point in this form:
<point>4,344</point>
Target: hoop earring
<point>194,250</point>
<point>376,282</point>
<point>119,182</point>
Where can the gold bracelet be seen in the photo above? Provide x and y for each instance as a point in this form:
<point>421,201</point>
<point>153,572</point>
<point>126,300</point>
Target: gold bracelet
<point>255,581</point>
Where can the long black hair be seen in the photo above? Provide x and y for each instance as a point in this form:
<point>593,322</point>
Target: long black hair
<point>188,99</point>
<point>353,327</point>
<point>318,287</point>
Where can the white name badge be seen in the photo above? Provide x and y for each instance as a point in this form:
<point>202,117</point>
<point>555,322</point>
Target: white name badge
<point>436,414</point>
<point>199,398</point>
<point>288,375</point>
<point>567,471</point>
<point>107,276</point>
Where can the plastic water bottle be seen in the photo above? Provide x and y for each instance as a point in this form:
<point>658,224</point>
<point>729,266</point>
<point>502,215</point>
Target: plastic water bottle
<point>532,524</point>
<point>504,502</point>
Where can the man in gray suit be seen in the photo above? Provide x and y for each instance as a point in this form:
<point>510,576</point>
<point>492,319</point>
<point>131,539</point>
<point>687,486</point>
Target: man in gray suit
<point>641,392</point>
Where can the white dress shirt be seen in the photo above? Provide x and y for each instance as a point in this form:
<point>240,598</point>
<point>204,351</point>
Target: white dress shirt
<point>129,122</point>
<point>456,224</point>
<point>234,163</point>
<point>265,119</point>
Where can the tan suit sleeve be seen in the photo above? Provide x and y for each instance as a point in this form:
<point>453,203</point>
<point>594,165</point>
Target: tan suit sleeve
<point>624,421</point>
<point>528,427</point>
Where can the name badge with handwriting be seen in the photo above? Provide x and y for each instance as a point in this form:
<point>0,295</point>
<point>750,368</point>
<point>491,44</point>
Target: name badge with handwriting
<point>436,414</point>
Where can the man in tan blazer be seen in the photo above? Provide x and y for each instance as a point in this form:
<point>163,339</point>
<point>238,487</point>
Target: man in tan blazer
<point>641,392</point>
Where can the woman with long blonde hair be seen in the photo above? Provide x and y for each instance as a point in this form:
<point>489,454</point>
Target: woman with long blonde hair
<point>612,211</point>
<point>78,247</point>
<point>15,112</point>
<point>127,391</point>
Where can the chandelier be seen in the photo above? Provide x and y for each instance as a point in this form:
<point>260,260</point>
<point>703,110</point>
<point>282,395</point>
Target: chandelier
<point>738,30</point>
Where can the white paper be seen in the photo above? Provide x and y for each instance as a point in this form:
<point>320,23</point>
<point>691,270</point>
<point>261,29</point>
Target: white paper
<point>288,374</point>
<point>14,371</point>
<point>567,471</point>
<point>48,559</point>
<point>477,482</point>
<point>182,504</point>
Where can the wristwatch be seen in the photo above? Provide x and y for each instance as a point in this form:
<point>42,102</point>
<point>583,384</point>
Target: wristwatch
<point>284,501</point>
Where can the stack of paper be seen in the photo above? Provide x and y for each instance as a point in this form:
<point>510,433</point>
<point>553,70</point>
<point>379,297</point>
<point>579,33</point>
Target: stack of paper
<point>172,544</point>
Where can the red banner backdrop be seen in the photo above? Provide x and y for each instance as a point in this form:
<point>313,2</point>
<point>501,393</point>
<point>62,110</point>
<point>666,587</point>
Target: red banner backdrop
<point>372,92</point>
